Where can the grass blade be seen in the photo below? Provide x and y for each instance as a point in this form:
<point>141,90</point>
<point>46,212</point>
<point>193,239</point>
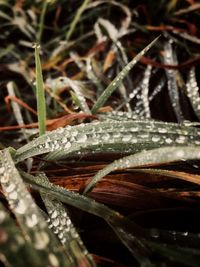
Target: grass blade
<point>192,91</point>
<point>62,225</point>
<point>41,24</point>
<point>14,244</point>
<point>28,215</point>
<point>76,19</point>
<point>128,232</point>
<point>170,58</point>
<point>154,156</point>
<point>40,94</point>
<point>134,237</point>
<point>118,80</point>
<point>116,136</point>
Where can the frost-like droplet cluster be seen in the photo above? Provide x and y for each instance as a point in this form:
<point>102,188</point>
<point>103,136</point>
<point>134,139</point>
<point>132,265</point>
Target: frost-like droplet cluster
<point>192,90</point>
<point>28,215</point>
<point>170,59</point>
<point>61,224</point>
<point>127,135</point>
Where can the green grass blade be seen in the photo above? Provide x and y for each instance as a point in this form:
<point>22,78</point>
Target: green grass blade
<point>61,224</point>
<point>7,50</point>
<point>76,19</point>
<point>128,232</point>
<point>133,236</point>
<point>154,156</point>
<point>41,24</point>
<point>118,80</point>
<point>116,136</point>
<point>40,93</point>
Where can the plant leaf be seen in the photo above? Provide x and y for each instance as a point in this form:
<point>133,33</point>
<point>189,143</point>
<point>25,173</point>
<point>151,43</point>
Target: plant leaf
<point>144,158</point>
<point>170,58</point>
<point>76,19</point>
<point>100,137</point>
<point>118,80</point>
<point>63,227</point>
<point>192,91</point>
<point>14,244</point>
<point>28,215</point>
<point>40,94</point>
<point>128,232</point>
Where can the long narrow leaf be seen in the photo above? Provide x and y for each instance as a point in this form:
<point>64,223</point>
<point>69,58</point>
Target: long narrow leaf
<point>132,235</point>
<point>155,156</point>
<point>63,227</point>
<point>13,244</point>
<point>124,136</point>
<point>192,91</point>
<point>118,80</point>
<point>28,215</point>
<point>128,232</point>
<point>76,19</point>
<point>40,94</point>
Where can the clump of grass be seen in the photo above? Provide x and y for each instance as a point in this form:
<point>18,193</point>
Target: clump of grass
<point>125,164</point>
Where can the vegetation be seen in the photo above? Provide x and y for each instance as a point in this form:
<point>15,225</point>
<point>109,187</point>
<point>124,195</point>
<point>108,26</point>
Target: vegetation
<point>100,139</point>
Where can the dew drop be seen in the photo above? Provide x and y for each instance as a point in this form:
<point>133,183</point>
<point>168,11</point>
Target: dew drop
<point>60,130</point>
<point>134,129</point>
<point>5,178</point>
<point>81,138</point>
<point>127,162</point>
<point>55,222</point>
<point>134,140</point>
<point>13,195</point>
<point>168,141</point>
<point>162,130</point>
<point>74,133</point>
<point>20,207</point>
<point>154,233</point>
<point>60,235</point>
<point>41,240</point>
<point>185,233</point>
<point>56,231</point>
<point>126,138</point>
<point>32,220</point>
<point>116,135</point>
<point>54,214</point>
<point>68,222</point>
<point>144,136</point>
<point>64,140</point>
<point>50,226</point>
<point>10,188</point>
<point>155,138</point>
<point>63,240</point>
<point>68,145</point>
<point>53,260</point>
<point>106,137</point>
<point>180,140</point>
<point>63,221</point>
<point>35,45</point>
